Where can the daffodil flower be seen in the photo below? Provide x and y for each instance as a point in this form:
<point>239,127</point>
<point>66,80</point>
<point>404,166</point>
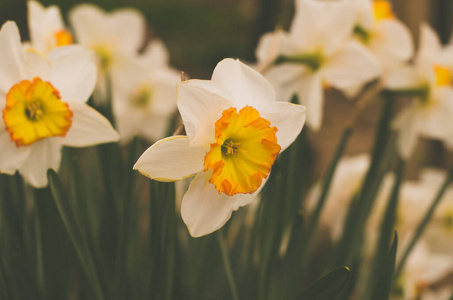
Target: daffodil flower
<point>235,130</point>
<point>114,36</point>
<point>381,32</point>
<point>43,106</point>
<point>144,94</point>
<point>317,52</point>
<point>429,80</point>
<point>46,27</point>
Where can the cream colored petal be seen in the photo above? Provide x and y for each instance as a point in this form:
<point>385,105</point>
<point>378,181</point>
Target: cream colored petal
<point>350,68</point>
<point>203,209</point>
<point>12,157</point>
<point>311,95</point>
<point>155,54</point>
<point>288,118</point>
<point>44,155</point>
<point>88,127</point>
<point>43,23</point>
<point>392,42</point>
<point>74,72</point>
<point>404,77</point>
<point>322,24</point>
<point>171,159</point>
<point>199,110</point>
<point>286,80</point>
<point>38,65</point>
<point>408,125</point>
<point>12,57</point>
<point>430,44</point>
<point>244,85</point>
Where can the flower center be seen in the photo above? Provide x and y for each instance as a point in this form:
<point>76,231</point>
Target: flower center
<point>383,10</point>
<point>141,97</point>
<point>63,38</point>
<point>34,111</point>
<point>104,56</point>
<point>443,75</point>
<point>244,152</point>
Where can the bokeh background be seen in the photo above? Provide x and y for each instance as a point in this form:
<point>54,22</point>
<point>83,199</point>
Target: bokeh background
<point>200,33</point>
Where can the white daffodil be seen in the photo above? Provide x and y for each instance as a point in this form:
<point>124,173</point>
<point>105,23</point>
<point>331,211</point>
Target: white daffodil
<point>381,32</point>
<point>430,114</point>
<point>346,183</point>
<point>46,27</point>
<point>144,94</point>
<point>235,129</point>
<point>317,52</point>
<point>43,106</point>
<point>114,36</point>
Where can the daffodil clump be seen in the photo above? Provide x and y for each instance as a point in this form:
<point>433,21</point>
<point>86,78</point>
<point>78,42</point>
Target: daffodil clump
<point>238,200</point>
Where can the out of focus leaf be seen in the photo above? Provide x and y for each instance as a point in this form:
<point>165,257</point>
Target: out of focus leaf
<point>382,289</point>
<point>327,287</point>
<point>74,231</point>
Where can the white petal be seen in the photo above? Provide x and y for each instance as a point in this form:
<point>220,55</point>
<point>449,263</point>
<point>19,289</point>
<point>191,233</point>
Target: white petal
<point>88,127</point>
<point>430,44</point>
<point>199,110</point>
<point>171,159</point>
<point>322,24</point>
<point>38,65</point>
<point>273,44</point>
<point>12,157</point>
<point>404,77</point>
<point>155,127</point>
<point>74,72</point>
<point>155,54</point>
<point>12,58</point>
<point>123,29</point>
<point>285,79</point>
<point>350,67</point>
<point>438,116</point>
<point>244,85</point>
<point>203,209</point>
<point>392,42</point>
<point>311,95</point>
<point>288,118</point>
<point>407,123</point>
<point>43,23</point>
<point>44,155</point>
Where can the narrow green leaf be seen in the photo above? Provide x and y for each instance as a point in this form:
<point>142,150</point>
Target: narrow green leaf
<point>227,265</point>
<point>423,223</point>
<point>383,285</point>
<point>74,230</point>
<point>386,229</point>
<point>327,287</point>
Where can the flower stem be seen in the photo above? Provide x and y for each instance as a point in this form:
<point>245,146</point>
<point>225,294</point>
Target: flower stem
<point>421,227</point>
<point>227,265</point>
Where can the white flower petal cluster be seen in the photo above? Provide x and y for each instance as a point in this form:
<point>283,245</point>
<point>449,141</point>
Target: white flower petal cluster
<point>430,112</point>
<point>72,72</point>
<point>317,52</point>
<point>203,105</point>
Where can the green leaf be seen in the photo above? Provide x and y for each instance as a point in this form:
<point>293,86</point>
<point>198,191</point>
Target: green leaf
<point>382,289</point>
<point>75,232</point>
<point>327,287</point>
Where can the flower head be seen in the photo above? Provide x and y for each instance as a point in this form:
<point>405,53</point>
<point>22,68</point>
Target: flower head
<point>42,103</point>
<point>235,129</point>
<point>317,52</point>
<point>144,94</point>
<point>46,27</point>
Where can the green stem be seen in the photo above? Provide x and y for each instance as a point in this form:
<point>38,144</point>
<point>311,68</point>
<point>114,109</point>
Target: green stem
<point>313,222</point>
<point>421,227</point>
<point>226,265</point>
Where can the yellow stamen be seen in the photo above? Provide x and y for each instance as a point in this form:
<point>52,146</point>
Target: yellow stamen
<point>34,111</point>
<point>141,97</point>
<point>104,55</point>
<point>383,10</point>
<point>244,151</point>
<point>63,38</point>
<point>443,75</point>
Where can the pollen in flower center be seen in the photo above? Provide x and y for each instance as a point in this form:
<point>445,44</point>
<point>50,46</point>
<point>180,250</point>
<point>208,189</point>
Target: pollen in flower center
<point>34,111</point>
<point>230,147</point>
<point>244,152</point>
